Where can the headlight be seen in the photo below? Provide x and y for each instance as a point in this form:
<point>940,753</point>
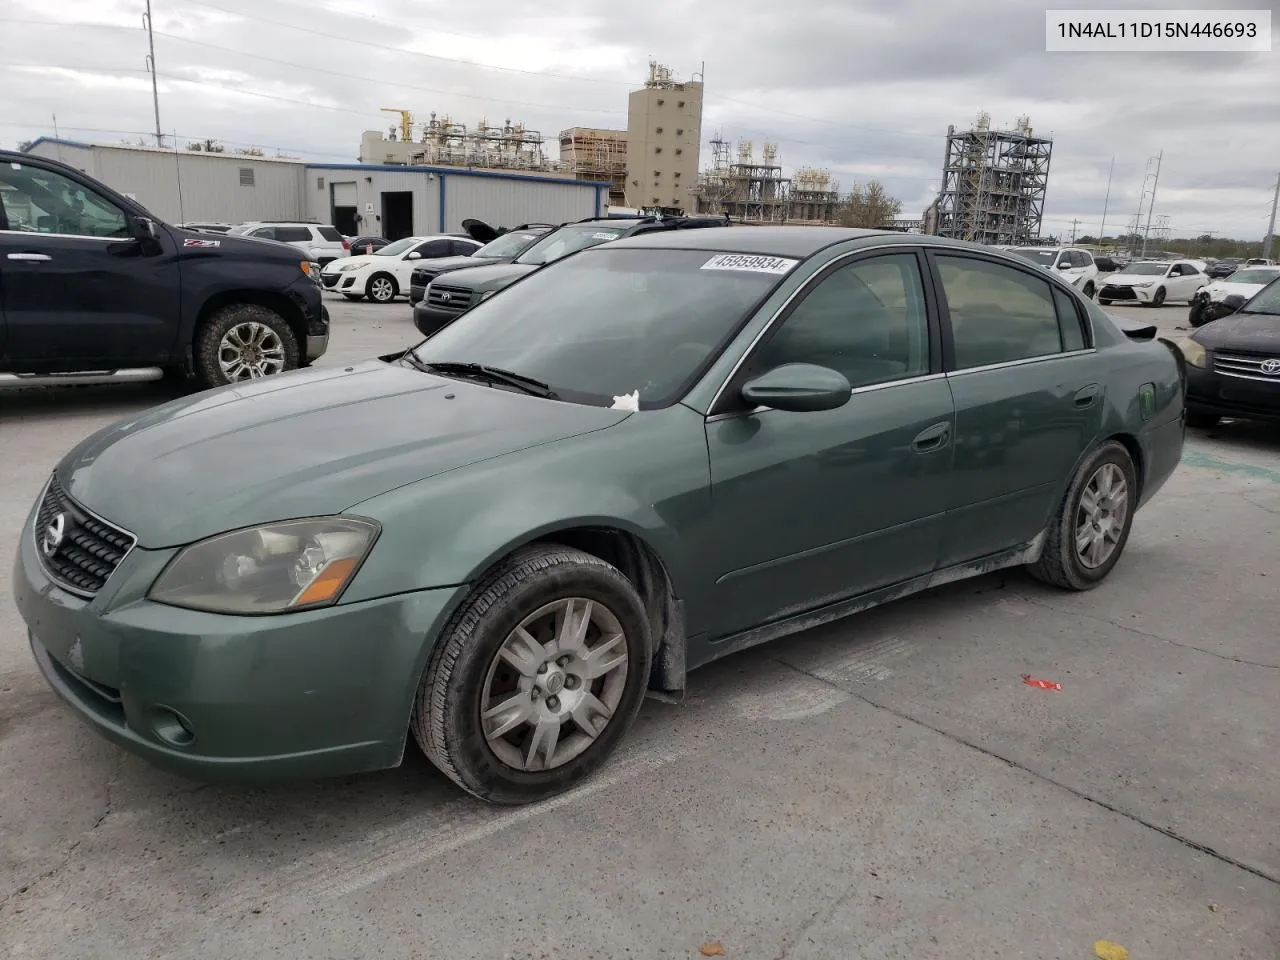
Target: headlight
<point>275,568</point>
<point>348,267</point>
<point>486,295</point>
<point>1144,283</point>
<point>1195,354</point>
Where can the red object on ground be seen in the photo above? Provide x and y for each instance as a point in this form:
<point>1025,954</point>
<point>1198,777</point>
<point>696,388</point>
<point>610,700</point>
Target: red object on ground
<point>1031,681</point>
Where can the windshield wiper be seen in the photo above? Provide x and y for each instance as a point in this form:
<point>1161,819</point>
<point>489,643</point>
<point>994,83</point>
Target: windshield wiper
<point>529,385</point>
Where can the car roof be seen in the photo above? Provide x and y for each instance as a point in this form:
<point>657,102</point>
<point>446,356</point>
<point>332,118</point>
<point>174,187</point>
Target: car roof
<point>766,241</point>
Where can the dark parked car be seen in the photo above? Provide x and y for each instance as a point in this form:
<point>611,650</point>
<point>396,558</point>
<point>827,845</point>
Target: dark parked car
<point>1224,268</point>
<point>659,452</point>
<point>361,245</point>
<point>446,301</point>
<point>98,290</point>
<point>501,247</point>
<point>1233,361</point>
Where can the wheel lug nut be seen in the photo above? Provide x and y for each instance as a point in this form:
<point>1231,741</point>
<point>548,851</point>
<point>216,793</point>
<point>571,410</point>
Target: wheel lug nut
<point>562,662</point>
<point>570,682</point>
<point>542,668</point>
<point>553,703</point>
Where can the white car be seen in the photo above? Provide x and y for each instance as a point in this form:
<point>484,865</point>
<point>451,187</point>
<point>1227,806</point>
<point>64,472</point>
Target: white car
<point>385,274</point>
<point>1072,264</point>
<point>1153,282</point>
<point>1245,282</point>
<point>320,242</point>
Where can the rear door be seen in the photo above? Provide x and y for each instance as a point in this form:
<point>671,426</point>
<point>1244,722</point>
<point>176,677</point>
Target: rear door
<point>78,291</point>
<point>1028,399</point>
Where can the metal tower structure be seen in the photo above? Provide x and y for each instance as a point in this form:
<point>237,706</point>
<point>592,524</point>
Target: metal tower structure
<point>993,184</point>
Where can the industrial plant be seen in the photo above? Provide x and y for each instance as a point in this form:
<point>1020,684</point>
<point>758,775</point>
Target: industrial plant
<point>751,191</point>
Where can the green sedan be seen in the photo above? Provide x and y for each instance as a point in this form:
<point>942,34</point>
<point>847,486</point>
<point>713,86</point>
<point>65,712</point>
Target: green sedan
<point>644,457</point>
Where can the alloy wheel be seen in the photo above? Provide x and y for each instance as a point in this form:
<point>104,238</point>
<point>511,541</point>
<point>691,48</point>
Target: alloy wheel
<point>1100,518</point>
<point>381,289</point>
<point>249,351</point>
<point>554,685</point>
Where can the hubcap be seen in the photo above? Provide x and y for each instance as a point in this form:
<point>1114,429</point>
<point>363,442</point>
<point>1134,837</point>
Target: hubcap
<point>249,351</point>
<point>554,685</point>
<point>382,289</point>
<point>1100,519</point>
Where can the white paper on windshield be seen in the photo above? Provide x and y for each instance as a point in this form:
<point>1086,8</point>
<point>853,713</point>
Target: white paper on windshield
<point>750,263</point>
<point>628,401</point>
<point>604,236</point>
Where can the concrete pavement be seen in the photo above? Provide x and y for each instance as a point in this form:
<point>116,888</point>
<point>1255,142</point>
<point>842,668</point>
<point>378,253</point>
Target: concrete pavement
<point>884,787</point>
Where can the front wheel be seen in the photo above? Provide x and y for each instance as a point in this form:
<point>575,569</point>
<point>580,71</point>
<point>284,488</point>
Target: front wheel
<point>243,341</point>
<point>1195,316</point>
<point>382,288</point>
<point>536,678</point>
<point>1091,528</point>
<point>1158,299</point>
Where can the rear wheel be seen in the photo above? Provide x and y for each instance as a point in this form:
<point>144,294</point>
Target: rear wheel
<point>537,677</point>
<point>243,341</point>
<point>1104,303</point>
<point>1091,528</point>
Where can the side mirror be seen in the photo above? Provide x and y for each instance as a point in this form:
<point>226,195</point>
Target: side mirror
<point>1064,265</point>
<point>143,228</point>
<point>415,255</point>
<point>798,388</point>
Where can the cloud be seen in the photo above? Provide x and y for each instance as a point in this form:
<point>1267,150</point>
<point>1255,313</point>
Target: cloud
<point>865,91</point>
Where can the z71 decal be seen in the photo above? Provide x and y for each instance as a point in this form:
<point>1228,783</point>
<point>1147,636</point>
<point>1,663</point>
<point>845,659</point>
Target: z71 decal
<point>190,242</point>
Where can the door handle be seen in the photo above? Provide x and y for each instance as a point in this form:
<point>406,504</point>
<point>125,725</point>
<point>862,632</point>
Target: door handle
<point>1086,395</point>
<point>35,257</point>
<point>931,438</point>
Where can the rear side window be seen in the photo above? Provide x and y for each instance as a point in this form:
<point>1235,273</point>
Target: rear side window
<point>264,233</point>
<point>293,234</point>
<point>998,314</point>
<point>330,234</point>
<point>1069,320</point>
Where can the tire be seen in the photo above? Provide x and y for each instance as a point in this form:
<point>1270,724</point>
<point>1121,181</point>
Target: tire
<point>1089,290</point>
<point>276,343</point>
<point>447,717</point>
<point>382,288</point>
<point>1157,300</point>
<point>1199,420</point>
<point>1104,303</point>
<point>1195,316</point>
<point>1060,563</point>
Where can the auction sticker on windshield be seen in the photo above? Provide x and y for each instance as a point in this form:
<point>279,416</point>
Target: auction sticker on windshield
<point>749,263</point>
<point>604,236</point>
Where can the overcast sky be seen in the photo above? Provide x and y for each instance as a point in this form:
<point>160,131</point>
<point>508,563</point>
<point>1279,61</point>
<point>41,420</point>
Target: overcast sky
<point>865,89</point>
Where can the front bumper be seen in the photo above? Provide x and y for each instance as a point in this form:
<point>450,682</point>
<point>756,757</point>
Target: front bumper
<point>1123,293</point>
<point>215,697</point>
<point>430,320</point>
<point>1228,388</point>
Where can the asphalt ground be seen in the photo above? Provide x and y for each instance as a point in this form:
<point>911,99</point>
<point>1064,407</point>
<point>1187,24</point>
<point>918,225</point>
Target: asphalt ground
<point>884,787</point>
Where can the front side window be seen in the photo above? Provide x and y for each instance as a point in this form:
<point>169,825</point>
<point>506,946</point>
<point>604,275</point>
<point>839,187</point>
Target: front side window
<point>38,201</point>
<point>609,323</point>
<point>434,248</point>
<point>998,314</point>
<point>866,320</point>
<point>329,234</point>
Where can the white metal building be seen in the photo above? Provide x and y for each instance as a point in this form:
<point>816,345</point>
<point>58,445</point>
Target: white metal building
<point>379,199</point>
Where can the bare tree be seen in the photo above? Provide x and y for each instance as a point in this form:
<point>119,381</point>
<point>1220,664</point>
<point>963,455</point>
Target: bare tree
<point>868,205</point>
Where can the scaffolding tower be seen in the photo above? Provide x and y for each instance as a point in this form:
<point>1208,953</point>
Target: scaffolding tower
<point>756,192</point>
<point>441,141</point>
<point>993,184</point>
<point>596,154</point>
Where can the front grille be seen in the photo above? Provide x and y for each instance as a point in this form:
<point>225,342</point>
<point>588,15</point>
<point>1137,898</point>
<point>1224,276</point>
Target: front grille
<point>78,550</point>
<point>329,279</point>
<point>1247,367</point>
<point>1109,292</point>
<point>451,299</point>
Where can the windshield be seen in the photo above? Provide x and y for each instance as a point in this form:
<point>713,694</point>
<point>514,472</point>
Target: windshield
<point>507,245</point>
<point>1254,275</point>
<point>569,240</point>
<point>609,323</point>
<point>397,248</point>
<point>1147,269</point>
<point>1266,300</point>
<point>1042,257</point>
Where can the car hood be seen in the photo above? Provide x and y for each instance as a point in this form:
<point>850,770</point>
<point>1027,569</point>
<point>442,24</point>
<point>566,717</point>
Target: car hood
<point>1126,279</point>
<point>444,264</point>
<point>364,259</point>
<point>1221,289</point>
<point>224,243</point>
<point>492,277</point>
<point>309,443</point>
<point>1254,332</point>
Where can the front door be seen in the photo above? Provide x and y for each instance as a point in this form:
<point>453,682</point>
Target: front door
<point>78,292</point>
<point>809,508</point>
<point>1028,402</point>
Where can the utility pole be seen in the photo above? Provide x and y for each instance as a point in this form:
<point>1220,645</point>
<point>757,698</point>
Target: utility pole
<point>1102,230</point>
<point>1074,224</point>
<point>1151,206</point>
<point>1271,227</point>
<point>151,66</point>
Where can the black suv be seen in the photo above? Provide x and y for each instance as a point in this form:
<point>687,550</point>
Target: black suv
<point>500,246</point>
<point>94,289</point>
<point>452,296</point>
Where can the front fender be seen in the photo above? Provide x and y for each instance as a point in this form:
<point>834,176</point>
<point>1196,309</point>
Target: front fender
<point>648,476</point>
